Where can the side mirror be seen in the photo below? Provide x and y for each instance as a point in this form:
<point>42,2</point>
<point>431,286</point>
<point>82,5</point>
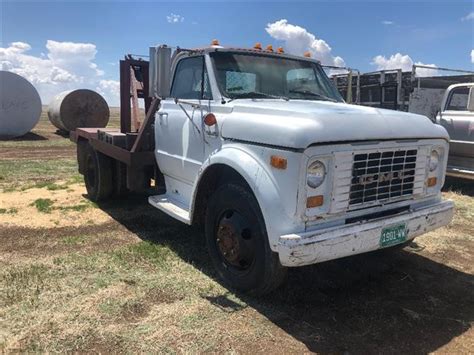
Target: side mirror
<point>160,72</point>
<point>470,102</point>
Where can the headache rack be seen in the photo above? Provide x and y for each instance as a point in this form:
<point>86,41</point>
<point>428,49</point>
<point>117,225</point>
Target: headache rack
<point>132,145</point>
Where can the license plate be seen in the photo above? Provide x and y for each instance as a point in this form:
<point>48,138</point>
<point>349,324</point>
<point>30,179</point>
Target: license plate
<point>393,235</point>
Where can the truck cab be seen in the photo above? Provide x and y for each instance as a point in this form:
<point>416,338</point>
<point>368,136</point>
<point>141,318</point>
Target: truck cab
<point>256,145</point>
<point>457,116</point>
<point>258,149</point>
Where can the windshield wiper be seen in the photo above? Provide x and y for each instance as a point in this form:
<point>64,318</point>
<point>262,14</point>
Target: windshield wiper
<point>256,94</point>
<point>312,93</point>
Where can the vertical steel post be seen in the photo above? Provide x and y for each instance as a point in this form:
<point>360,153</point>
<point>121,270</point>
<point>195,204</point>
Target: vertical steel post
<point>382,90</point>
<point>349,87</point>
<point>125,107</point>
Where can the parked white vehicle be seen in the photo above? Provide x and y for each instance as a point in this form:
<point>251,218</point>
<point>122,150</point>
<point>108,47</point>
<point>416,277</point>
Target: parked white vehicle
<point>457,116</point>
<point>260,149</point>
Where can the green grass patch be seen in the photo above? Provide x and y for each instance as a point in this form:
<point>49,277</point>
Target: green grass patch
<point>49,185</point>
<point>66,305</point>
<point>80,207</point>
<point>144,252</point>
<point>41,144</point>
<point>77,208</point>
<point>8,210</point>
<point>110,307</point>
<point>75,179</point>
<point>44,205</point>
<point>74,240</point>
<point>21,174</point>
<point>22,284</point>
<point>54,187</point>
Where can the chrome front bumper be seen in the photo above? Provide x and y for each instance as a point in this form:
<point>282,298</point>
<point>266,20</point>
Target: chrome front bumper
<point>332,243</point>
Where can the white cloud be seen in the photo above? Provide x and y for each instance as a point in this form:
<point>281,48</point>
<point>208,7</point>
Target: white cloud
<point>174,18</point>
<point>298,40</point>
<point>64,66</point>
<point>468,17</point>
<point>109,89</point>
<point>388,23</point>
<point>403,62</point>
<point>472,56</point>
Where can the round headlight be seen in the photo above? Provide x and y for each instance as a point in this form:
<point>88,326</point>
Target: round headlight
<point>434,160</point>
<point>316,174</point>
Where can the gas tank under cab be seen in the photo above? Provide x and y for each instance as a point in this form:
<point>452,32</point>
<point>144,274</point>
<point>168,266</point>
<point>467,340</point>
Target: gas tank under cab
<point>298,123</point>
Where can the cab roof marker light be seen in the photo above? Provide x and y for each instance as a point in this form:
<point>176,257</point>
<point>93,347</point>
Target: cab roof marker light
<point>280,50</point>
<point>307,54</point>
<point>258,46</point>
<point>270,48</point>
<point>215,42</point>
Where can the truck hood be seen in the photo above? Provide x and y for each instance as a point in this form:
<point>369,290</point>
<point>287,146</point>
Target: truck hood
<point>301,123</point>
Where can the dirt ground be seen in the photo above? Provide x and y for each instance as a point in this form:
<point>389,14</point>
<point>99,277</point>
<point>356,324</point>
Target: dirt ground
<point>124,277</point>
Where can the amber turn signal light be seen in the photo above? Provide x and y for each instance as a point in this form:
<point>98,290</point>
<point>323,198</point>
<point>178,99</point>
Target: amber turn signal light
<point>314,201</point>
<point>278,162</point>
<point>431,181</point>
<point>210,119</point>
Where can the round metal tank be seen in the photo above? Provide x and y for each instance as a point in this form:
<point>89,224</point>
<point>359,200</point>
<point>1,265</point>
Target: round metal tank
<point>78,108</point>
<point>20,105</point>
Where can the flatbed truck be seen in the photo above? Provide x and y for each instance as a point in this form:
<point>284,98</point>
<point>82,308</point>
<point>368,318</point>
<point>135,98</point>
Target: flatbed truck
<point>258,148</point>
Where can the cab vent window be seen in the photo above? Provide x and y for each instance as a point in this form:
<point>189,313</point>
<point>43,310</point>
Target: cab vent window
<point>188,80</point>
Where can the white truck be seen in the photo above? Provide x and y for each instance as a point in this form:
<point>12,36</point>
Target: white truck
<point>456,114</point>
<point>259,149</point>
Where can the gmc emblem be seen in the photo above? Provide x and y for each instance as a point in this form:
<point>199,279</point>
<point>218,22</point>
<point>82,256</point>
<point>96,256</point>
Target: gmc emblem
<point>382,177</point>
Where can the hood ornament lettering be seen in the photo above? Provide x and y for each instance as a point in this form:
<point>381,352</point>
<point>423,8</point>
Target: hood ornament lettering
<point>381,177</point>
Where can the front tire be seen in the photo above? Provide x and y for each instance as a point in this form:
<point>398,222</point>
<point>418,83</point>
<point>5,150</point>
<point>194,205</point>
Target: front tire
<point>237,241</point>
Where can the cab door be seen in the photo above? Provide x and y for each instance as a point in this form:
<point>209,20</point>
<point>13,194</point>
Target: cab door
<point>178,123</point>
<point>459,122</point>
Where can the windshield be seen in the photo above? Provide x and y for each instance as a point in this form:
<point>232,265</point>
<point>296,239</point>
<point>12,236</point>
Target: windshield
<point>250,75</point>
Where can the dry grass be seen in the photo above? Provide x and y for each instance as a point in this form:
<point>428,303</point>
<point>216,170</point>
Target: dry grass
<point>123,277</point>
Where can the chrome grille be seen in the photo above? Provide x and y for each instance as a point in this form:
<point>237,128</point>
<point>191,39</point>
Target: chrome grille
<point>382,176</point>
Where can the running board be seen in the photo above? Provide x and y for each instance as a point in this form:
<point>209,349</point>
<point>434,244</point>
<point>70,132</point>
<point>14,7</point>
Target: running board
<point>171,207</point>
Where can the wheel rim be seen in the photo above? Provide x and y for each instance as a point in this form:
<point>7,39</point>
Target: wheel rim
<point>90,172</point>
<point>235,240</point>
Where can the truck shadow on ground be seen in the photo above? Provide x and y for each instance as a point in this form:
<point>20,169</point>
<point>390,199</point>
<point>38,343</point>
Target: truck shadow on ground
<point>463,186</point>
<point>392,302</point>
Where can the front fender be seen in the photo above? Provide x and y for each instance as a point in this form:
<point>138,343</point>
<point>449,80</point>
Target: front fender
<point>276,190</point>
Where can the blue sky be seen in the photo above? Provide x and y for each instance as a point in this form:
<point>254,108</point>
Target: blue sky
<point>431,32</point>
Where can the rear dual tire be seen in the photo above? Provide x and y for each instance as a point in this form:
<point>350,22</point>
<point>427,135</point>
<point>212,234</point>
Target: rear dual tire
<point>98,175</point>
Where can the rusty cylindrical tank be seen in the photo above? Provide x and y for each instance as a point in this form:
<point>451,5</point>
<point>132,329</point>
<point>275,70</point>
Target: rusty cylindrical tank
<point>78,108</point>
<point>20,105</point>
